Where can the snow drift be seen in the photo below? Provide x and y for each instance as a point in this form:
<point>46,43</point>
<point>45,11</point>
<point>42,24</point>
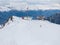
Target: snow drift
<point>30,32</point>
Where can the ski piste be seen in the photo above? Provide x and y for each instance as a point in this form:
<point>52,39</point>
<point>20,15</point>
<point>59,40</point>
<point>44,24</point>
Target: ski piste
<point>29,32</point>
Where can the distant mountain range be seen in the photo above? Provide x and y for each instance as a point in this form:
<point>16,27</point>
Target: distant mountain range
<point>4,15</point>
<point>29,12</point>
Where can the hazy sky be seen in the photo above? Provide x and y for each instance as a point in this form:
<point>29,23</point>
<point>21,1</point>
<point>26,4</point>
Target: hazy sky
<point>32,1</point>
<point>3,2</point>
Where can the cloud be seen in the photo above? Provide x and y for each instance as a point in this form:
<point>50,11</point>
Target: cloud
<point>42,1</point>
<point>30,1</point>
<point>32,4</point>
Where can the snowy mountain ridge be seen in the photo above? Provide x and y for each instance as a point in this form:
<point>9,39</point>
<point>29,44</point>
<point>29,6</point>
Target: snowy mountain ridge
<point>19,19</point>
<point>30,32</point>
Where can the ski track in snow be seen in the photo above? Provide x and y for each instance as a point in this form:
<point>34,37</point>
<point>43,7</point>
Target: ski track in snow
<point>30,32</point>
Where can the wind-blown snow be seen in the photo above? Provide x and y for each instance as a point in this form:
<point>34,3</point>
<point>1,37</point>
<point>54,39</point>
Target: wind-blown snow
<point>30,32</point>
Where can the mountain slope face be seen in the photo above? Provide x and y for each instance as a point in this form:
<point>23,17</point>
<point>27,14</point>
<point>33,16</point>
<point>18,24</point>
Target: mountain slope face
<point>32,13</point>
<point>30,32</point>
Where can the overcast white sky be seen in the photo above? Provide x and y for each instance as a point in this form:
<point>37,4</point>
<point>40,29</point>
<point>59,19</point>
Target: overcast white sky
<point>32,3</point>
<point>2,2</point>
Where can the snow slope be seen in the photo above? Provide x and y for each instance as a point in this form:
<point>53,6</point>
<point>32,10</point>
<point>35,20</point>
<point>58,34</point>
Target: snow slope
<point>30,32</point>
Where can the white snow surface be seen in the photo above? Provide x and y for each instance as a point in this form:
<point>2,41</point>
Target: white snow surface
<point>30,32</point>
